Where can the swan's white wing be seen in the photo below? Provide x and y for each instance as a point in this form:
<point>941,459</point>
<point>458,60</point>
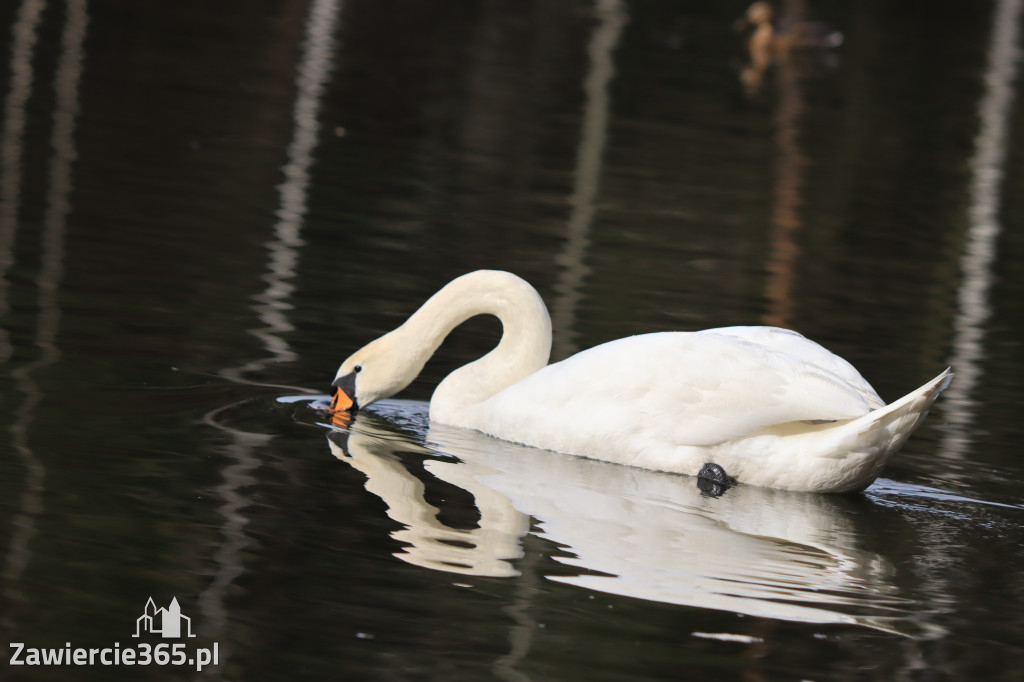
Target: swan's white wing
<point>793,343</point>
<point>699,388</point>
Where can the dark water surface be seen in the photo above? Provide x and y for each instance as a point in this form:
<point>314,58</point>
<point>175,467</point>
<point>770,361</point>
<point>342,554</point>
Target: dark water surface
<point>205,206</point>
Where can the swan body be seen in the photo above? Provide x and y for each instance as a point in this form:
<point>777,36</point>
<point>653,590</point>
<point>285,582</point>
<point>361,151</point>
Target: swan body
<point>770,406</point>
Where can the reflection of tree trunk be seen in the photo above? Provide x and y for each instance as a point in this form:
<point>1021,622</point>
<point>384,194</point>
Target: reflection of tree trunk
<point>589,156</point>
<point>789,171</point>
<point>272,303</point>
<point>520,635</point>
<point>987,170</point>
<point>23,40</point>
<point>499,126</point>
<point>271,306</point>
<point>58,206</point>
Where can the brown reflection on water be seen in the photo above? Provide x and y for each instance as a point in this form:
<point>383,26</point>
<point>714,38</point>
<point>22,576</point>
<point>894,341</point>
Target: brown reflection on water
<point>771,50</point>
<point>790,166</point>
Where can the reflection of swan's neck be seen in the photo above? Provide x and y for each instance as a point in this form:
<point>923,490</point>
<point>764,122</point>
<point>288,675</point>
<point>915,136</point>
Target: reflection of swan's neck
<point>485,550</point>
<point>524,347</point>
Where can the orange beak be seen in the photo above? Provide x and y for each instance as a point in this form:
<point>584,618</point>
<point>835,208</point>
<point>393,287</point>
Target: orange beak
<point>341,402</point>
<point>344,394</point>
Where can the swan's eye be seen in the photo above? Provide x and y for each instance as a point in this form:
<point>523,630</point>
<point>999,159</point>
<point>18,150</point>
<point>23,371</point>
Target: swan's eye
<point>357,369</point>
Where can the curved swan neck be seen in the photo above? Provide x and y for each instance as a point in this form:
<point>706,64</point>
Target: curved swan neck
<point>524,348</point>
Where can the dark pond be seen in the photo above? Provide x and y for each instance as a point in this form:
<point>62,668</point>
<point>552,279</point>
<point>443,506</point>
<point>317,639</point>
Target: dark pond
<point>205,206</point>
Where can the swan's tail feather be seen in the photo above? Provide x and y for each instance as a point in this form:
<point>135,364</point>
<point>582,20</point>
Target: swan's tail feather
<point>912,408</point>
<point>871,440</point>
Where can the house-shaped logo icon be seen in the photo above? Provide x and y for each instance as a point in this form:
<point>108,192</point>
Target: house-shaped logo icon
<point>167,622</point>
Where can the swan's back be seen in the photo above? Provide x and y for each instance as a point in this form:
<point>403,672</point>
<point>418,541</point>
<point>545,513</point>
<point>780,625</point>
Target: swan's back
<point>642,397</point>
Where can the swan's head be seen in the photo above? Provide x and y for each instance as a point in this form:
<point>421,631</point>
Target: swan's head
<point>376,371</point>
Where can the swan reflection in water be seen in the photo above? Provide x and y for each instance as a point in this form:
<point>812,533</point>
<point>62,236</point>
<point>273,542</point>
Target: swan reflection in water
<point>631,532</point>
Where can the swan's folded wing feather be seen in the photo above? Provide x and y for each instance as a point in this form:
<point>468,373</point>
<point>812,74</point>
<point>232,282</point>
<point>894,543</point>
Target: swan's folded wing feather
<point>792,343</point>
<point>687,388</point>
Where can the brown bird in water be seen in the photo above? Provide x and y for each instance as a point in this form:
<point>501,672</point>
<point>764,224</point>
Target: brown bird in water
<point>769,36</point>
<point>803,45</point>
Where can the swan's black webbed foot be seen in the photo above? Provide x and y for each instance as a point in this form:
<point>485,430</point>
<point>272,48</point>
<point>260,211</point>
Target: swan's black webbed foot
<point>712,479</point>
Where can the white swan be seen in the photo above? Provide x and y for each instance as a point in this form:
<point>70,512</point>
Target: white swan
<point>771,407</point>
